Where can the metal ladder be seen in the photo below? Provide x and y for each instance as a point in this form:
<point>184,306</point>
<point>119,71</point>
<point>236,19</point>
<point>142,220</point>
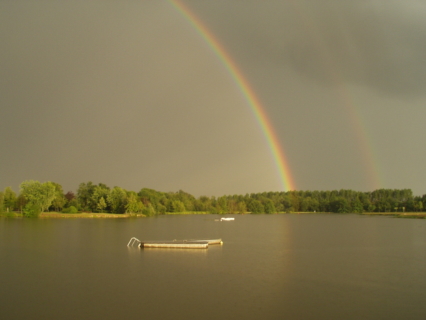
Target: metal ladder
<point>133,241</point>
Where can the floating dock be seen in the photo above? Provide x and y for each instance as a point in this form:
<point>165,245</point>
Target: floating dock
<point>187,244</point>
<point>175,244</point>
<point>211,241</point>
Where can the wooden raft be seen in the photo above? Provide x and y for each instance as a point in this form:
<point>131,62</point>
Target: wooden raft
<point>175,244</point>
<point>187,244</point>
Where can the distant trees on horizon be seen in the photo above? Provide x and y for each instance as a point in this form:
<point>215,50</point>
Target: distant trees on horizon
<point>35,197</point>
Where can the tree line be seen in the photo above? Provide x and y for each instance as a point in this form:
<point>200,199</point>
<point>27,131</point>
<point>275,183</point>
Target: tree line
<point>35,197</point>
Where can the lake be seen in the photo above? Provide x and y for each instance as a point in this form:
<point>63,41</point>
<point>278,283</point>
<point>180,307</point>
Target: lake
<point>285,266</point>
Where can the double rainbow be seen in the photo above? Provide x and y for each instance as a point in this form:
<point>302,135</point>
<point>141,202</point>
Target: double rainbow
<point>248,93</point>
<point>344,96</point>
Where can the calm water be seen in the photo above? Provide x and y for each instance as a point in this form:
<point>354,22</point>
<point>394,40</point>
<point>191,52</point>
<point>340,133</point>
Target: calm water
<point>270,267</point>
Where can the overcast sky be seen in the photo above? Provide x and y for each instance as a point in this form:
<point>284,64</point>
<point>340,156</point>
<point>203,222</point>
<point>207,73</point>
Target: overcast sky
<point>127,93</point>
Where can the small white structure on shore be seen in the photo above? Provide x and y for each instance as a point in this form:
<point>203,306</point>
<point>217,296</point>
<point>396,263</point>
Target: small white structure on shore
<point>227,219</point>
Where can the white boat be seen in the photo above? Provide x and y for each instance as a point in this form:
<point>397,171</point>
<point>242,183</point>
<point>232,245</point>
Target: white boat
<point>227,219</point>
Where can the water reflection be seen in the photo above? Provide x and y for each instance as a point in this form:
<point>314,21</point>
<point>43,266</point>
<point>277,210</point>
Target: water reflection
<point>137,251</point>
<point>269,267</point>
<point>176,250</point>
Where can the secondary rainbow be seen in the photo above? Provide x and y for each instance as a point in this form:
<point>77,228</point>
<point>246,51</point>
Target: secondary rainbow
<point>246,90</point>
<point>370,164</point>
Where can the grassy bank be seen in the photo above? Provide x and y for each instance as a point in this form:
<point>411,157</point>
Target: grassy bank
<point>413,215</point>
<point>46,215</point>
<point>87,215</point>
<point>187,212</point>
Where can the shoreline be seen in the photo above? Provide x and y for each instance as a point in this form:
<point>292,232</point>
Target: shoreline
<point>84,215</point>
<point>407,215</point>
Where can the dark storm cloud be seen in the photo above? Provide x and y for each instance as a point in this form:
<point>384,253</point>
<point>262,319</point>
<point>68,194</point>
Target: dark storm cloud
<point>128,93</point>
<point>123,93</point>
<point>379,44</point>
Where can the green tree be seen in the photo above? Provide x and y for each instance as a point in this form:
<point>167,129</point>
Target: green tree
<point>117,199</point>
<point>9,199</point>
<point>161,209</point>
<point>39,195</point>
<point>203,203</point>
<point>21,202</point>
<point>232,206</point>
<point>101,204</point>
<point>295,200</point>
<point>418,204</point>
<point>71,200</point>
<point>187,199</point>
<point>59,200</point>
<point>305,204</point>
<point>148,210</point>
<point>383,205</point>
<point>269,206</point>
<point>241,207</point>
<point>155,198</point>
<point>32,210</point>
<point>70,209</point>
<point>1,201</point>
<point>222,205</point>
<point>134,204</point>
<point>357,206</point>
<point>371,208</point>
<point>340,205</point>
<point>98,192</point>
<point>255,206</point>
<point>178,206</point>
<point>84,195</point>
<point>286,202</point>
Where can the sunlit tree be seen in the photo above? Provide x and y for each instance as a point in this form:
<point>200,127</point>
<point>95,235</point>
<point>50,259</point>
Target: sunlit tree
<point>9,199</point>
<point>101,204</point>
<point>39,195</point>
<point>59,200</point>
<point>134,204</point>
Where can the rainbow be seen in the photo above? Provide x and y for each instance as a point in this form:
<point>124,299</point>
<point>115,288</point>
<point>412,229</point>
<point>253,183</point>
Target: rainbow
<point>246,90</point>
<point>343,94</point>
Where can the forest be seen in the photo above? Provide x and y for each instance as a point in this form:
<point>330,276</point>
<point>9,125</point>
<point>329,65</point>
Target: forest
<point>35,197</point>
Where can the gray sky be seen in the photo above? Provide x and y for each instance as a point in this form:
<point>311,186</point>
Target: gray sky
<point>127,93</point>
